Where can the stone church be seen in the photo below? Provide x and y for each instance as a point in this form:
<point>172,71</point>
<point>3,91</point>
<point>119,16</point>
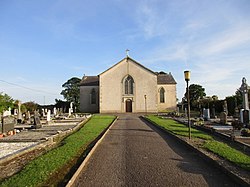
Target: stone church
<point>128,86</point>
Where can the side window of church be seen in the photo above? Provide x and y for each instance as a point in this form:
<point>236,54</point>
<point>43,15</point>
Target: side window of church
<point>93,96</point>
<point>162,95</point>
<point>129,89</point>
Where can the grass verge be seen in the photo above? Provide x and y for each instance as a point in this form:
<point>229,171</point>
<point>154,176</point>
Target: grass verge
<point>38,171</point>
<point>178,128</point>
<point>210,144</point>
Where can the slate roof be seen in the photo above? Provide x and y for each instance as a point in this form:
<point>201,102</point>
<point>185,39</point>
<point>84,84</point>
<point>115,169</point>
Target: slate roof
<point>162,77</point>
<point>90,81</point>
<point>165,78</point>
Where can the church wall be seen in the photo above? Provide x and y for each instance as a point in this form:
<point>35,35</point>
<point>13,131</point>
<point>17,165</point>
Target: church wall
<point>111,89</point>
<point>85,99</point>
<point>170,97</point>
<point>146,84</point>
<point>112,97</point>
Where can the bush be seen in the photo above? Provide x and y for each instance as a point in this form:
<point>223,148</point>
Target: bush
<point>237,125</point>
<point>245,132</point>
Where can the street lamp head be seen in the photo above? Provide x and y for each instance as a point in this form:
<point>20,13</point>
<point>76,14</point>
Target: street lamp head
<point>187,75</point>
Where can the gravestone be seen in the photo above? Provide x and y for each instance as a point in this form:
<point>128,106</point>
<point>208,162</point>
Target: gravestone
<point>27,117</point>
<point>245,112</point>
<point>213,115</point>
<point>225,107</point>
<point>37,122</point>
<point>71,108</point>
<point>69,112</point>
<point>48,116</point>
<point>223,118</point>
<point>54,111</point>
<point>43,113</point>
<point>245,116</point>
<point>241,115</point>
<point>15,112</point>
<point>206,114</point>
<point>19,115</point>
<point>8,124</point>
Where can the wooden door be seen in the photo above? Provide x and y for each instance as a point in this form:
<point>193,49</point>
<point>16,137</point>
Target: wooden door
<point>128,105</point>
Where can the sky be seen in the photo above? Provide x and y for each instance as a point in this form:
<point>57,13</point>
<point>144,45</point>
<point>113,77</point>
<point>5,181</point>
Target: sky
<point>44,43</point>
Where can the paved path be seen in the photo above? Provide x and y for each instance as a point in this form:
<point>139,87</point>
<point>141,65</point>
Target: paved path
<point>134,154</point>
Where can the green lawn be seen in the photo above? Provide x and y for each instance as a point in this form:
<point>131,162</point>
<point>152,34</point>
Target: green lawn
<point>229,153</point>
<point>210,144</point>
<point>178,128</point>
<point>38,171</point>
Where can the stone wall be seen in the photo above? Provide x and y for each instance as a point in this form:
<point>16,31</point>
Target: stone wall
<point>170,97</point>
<point>85,99</point>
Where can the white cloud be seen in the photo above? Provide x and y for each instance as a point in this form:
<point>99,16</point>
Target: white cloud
<point>226,40</point>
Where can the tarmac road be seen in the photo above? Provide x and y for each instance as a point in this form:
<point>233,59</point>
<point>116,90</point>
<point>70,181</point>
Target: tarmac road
<point>134,154</point>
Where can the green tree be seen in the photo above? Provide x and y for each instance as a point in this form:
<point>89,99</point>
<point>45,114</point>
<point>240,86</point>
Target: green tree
<point>5,102</point>
<point>196,92</point>
<point>31,106</point>
<point>71,91</point>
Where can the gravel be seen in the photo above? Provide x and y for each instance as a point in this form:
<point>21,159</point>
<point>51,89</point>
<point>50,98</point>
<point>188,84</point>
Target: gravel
<point>11,148</point>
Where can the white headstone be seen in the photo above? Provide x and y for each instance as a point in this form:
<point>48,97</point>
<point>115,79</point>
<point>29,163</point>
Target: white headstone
<point>19,116</point>
<point>206,114</point>
<point>69,111</point>
<point>15,111</point>
<point>244,90</point>
<point>43,113</point>
<point>48,116</point>
<point>54,111</point>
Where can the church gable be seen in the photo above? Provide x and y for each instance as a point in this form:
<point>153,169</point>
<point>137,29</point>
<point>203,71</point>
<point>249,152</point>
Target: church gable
<point>130,61</point>
<point>128,86</point>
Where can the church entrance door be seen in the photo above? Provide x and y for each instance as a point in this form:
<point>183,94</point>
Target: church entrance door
<point>128,105</point>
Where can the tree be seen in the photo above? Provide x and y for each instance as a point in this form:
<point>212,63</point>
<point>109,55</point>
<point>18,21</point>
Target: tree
<point>5,102</point>
<point>31,106</point>
<point>196,92</point>
<point>72,91</point>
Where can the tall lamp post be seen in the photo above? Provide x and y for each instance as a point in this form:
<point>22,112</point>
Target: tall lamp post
<point>187,78</point>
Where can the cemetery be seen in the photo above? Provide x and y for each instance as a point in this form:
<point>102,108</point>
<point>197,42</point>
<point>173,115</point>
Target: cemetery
<point>25,136</point>
<point>235,128</point>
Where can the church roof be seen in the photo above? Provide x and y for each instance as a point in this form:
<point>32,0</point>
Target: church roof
<point>162,77</point>
<point>132,61</point>
<point>90,81</point>
<point>165,78</point>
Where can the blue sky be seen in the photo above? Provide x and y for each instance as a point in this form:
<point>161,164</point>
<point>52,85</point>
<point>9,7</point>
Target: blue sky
<point>44,43</point>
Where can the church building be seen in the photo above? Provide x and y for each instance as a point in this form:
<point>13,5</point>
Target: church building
<point>128,86</point>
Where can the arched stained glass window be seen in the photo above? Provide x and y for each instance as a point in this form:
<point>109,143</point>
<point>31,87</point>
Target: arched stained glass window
<point>162,95</point>
<point>129,85</point>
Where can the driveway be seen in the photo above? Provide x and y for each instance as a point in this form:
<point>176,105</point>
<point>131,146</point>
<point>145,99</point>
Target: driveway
<point>134,153</point>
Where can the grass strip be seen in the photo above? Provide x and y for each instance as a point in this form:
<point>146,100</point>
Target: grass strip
<point>178,128</point>
<point>210,144</point>
<point>40,169</point>
<point>229,153</point>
